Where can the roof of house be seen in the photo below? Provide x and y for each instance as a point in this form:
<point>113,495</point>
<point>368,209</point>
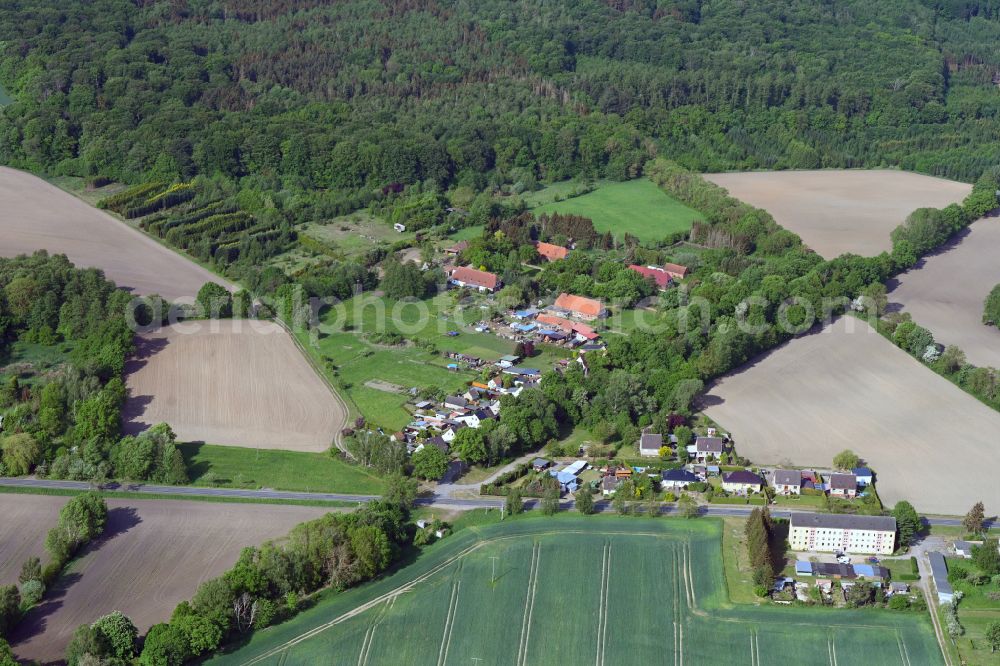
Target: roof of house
<point>679,475</point>
<point>579,304</point>
<point>844,521</point>
<point>552,320</point>
<point>871,571</point>
<point>834,569</point>
<point>550,251</point>
<point>460,246</point>
<point>610,482</point>
<point>469,275</point>
<point>658,275</point>
<point>439,442</point>
<point>650,441</point>
<point>861,471</point>
<point>539,462</point>
<point>743,476</point>
<point>803,566</point>
<point>709,444</point>
<point>526,314</point>
<point>843,482</point>
<point>787,477</point>
<point>939,569</point>
<point>676,268</point>
<point>456,400</point>
<point>898,586</point>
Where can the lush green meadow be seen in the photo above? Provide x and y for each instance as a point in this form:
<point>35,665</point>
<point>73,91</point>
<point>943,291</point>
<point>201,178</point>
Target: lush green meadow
<point>572,589</point>
<point>237,467</point>
<point>637,207</point>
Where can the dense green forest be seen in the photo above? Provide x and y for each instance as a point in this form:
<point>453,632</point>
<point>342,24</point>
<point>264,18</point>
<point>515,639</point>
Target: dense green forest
<point>286,95</point>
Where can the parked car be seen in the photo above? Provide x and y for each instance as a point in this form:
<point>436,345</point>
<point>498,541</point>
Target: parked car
<point>452,334</point>
<point>872,560</point>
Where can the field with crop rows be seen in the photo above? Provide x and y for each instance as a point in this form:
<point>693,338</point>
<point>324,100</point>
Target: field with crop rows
<point>599,590</point>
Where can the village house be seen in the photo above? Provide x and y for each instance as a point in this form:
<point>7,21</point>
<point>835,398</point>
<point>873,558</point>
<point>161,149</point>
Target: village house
<point>707,448</point>
<point>842,532</point>
<point>609,484</point>
<point>551,252</point>
<point>677,479</point>
<point>466,276</point>
<point>742,482</point>
<point>676,271</point>
<point>844,486</point>
<point>787,481</point>
<point>580,306</point>
<point>863,475</point>
<point>650,444</point>
<point>659,276</point>
<point>457,248</point>
<point>456,402</point>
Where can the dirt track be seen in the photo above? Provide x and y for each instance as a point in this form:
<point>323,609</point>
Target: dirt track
<point>238,383</point>
<point>945,294</point>
<point>155,555</point>
<point>26,521</point>
<point>836,210</point>
<point>35,215</point>
<point>928,441</point>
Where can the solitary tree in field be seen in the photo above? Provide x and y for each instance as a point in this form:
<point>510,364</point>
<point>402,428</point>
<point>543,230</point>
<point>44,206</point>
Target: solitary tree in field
<point>991,309</point>
<point>973,521</point>
<point>846,459</point>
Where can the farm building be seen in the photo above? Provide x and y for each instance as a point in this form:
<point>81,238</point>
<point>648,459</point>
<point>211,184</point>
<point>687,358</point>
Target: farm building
<point>551,252</point>
<point>742,482</point>
<point>842,532</point>
<point>466,276</point>
<point>659,276</point>
<point>580,306</point>
<point>676,271</point>
<point>939,571</point>
<point>677,479</point>
<point>650,444</point>
<point>787,481</point>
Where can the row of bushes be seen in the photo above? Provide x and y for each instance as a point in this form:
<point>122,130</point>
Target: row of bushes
<point>133,196</point>
<point>81,520</point>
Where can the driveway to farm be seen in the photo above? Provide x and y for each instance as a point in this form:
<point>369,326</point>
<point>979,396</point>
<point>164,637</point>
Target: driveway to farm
<point>434,500</point>
<point>40,216</point>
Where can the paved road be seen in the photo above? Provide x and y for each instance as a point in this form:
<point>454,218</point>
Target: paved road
<point>435,500</point>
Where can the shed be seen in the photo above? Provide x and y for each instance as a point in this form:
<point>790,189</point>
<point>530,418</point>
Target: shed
<point>576,467</point>
<point>539,464</point>
<point>803,568</point>
<point>939,571</point>
<point>963,549</point>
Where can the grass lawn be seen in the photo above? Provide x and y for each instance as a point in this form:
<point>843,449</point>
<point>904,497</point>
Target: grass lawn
<point>237,467</point>
<point>736,562</point>
<point>572,589</point>
<point>807,502</point>
<point>972,646</point>
<point>637,207</point>
<point>356,233</point>
<point>31,361</point>
<point>466,233</point>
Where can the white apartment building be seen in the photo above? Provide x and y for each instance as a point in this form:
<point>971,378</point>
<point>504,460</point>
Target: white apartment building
<point>841,532</point>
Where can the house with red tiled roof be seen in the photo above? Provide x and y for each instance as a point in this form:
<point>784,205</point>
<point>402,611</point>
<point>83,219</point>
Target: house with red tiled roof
<point>580,306</point>
<point>676,271</point>
<point>551,252</point>
<point>657,275</point>
<point>466,276</point>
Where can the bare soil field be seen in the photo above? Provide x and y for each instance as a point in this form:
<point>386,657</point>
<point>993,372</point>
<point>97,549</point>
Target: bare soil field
<point>154,555</point>
<point>836,211</point>
<point>928,441</point>
<point>39,216</point>
<point>231,382</point>
<point>946,291</point>
<point>26,521</point>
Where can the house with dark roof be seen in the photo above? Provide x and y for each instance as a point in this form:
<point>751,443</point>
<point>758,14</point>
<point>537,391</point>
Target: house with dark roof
<point>456,402</point>
<point>650,444</point>
<point>787,481</point>
<point>864,476</point>
<point>466,276</point>
<point>742,482</point>
<point>844,486</point>
<point>841,532</point>
<point>609,484</point>
<point>677,479</point>
<point>707,448</point>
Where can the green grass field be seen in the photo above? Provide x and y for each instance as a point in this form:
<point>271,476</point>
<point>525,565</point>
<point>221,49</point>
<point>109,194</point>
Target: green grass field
<point>637,207</point>
<point>237,467</point>
<point>599,590</point>
<point>31,361</point>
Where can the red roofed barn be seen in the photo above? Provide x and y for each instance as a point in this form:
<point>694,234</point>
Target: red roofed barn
<point>658,275</point>
<point>551,252</point>
<point>579,306</point>
<point>465,276</point>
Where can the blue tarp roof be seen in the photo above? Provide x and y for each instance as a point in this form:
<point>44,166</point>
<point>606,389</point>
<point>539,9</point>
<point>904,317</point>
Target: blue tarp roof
<point>861,471</point>
<point>523,327</point>
<point>524,314</point>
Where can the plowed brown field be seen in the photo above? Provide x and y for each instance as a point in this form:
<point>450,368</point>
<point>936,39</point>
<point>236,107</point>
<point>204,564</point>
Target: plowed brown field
<point>231,382</point>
